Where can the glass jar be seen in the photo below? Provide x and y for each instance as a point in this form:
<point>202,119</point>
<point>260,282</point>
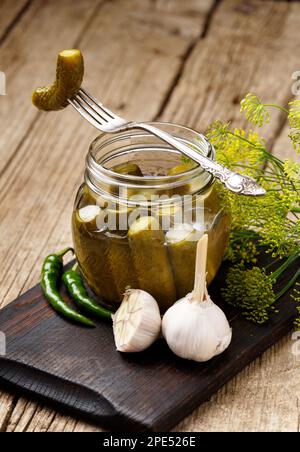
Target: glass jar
<point>140,212</point>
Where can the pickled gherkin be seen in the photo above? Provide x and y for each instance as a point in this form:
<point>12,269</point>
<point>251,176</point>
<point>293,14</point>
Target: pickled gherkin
<point>129,168</point>
<point>193,185</point>
<point>69,75</point>
<point>182,246</point>
<point>182,168</point>
<point>218,238</point>
<point>118,257</point>
<point>92,252</point>
<point>151,261</point>
<point>167,215</point>
<point>121,264</point>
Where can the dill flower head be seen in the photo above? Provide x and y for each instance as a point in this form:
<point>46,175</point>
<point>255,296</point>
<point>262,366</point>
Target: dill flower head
<point>250,290</point>
<point>237,149</point>
<point>294,120</point>
<point>255,110</point>
<point>294,135</point>
<point>294,114</point>
<point>296,298</point>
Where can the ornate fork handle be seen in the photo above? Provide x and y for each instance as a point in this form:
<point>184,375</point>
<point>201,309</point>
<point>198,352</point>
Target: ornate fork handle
<point>232,180</point>
<point>235,182</point>
<point>105,120</point>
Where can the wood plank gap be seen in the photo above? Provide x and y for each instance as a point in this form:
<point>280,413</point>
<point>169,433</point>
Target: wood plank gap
<point>209,18</point>
<point>90,20</point>
<point>14,22</point>
<point>186,56</point>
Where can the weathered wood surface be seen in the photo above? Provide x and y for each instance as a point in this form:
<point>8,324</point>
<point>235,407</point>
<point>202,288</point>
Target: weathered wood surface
<point>191,67</point>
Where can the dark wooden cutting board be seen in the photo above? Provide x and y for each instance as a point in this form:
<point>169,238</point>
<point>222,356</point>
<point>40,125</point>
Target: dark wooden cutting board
<point>78,368</point>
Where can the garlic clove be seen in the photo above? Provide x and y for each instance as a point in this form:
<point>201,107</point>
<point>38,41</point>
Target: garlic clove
<point>137,322</point>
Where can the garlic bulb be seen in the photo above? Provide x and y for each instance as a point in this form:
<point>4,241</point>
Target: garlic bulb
<point>194,327</point>
<point>196,330</point>
<point>137,322</point>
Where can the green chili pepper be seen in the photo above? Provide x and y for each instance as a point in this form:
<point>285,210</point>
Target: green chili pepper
<point>51,272</point>
<point>76,289</point>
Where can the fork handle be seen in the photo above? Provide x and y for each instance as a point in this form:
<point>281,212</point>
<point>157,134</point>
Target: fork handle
<point>235,182</point>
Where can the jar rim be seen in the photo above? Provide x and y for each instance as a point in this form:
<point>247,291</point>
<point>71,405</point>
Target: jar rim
<point>96,171</point>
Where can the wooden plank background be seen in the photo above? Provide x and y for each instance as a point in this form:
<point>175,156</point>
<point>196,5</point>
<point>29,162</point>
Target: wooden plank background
<point>189,62</point>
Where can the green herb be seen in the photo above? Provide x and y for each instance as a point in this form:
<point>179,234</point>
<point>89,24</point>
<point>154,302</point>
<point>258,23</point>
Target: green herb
<point>271,222</point>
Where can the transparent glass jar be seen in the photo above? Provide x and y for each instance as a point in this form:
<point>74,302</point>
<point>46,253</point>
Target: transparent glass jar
<point>142,232</point>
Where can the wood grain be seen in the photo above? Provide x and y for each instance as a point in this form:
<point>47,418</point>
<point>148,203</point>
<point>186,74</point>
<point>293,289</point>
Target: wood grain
<point>248,46</point>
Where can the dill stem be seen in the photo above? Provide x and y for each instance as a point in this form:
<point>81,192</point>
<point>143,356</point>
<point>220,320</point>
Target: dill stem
<point>285,265</point>
<point>279,107</point>
<point>289,285</point>
<point>271,157</point>
<point>272,263</point>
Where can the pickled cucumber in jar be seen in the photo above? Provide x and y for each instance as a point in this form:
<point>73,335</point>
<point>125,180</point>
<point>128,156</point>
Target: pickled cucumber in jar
<point>129,168</point>
<point>182,245</point>
<point>151,260</point>
<point>102,250</point>
<point>92,252</point>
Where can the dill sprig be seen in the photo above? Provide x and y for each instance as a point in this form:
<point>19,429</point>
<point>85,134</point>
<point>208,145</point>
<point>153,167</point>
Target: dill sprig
<point>272,222</point>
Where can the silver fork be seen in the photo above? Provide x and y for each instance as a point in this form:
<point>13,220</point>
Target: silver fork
<point>105,120</point>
